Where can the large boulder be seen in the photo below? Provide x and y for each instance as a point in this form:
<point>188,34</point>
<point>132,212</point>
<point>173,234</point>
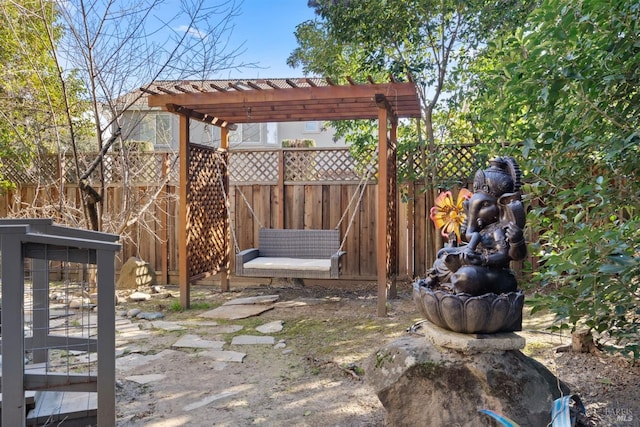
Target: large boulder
<point>134,273</point>
<point>420,383</point>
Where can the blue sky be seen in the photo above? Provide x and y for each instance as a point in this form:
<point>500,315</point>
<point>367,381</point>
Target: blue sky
<point>266,27</point>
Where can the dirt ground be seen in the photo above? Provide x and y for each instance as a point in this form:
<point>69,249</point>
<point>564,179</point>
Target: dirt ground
<point>317,379</point>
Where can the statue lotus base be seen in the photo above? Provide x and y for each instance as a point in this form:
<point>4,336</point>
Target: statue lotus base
<point>483,314</point>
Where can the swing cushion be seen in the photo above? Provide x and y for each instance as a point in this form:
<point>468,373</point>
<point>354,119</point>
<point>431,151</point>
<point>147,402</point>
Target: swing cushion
<point>282,263</point>
<point>292,253</point>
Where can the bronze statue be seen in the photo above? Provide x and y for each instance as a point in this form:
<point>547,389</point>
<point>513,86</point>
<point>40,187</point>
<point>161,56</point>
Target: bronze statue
<point>492,235</point>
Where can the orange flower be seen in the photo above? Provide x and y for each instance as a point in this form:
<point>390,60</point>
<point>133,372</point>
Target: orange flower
<point>449,216</point>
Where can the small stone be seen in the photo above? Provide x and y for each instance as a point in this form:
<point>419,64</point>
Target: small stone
<point>280,345</point>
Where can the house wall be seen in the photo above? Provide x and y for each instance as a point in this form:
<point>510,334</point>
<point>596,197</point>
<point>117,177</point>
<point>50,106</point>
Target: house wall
<point>322,133</point>
<point>209,135</point>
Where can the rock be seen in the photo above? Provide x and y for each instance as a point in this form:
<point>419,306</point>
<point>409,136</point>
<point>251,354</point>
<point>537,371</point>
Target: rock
<point>79,303</point>
<point>135,272</point>
<point>416,381</point>
<point>270,328</point>
<point>149,315</point>
<point>139,296</point>
<point>133,312</point>
<point>582,341</point>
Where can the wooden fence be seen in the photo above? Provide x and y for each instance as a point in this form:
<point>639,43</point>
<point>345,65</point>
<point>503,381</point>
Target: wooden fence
<point>292,188</point>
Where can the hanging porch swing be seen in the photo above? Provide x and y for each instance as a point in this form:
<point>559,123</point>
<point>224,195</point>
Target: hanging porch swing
<point>297,253</point>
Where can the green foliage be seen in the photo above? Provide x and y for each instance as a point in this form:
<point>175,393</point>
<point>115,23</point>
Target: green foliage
<point>566,86</point>
<point>33,108</point>
<point>298,143</point>
<point>429,42</point>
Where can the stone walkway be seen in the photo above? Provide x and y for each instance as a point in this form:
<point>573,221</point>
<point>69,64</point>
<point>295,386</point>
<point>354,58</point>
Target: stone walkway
<point>134,325</point>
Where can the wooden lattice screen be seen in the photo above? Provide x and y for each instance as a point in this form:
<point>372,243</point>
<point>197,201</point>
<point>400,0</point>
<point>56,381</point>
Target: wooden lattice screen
<point>313,165</point>
<point>142,168</point>
<point>207,217</point>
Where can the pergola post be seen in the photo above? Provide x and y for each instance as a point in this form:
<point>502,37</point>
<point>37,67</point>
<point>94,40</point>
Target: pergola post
<point>224,274</point>
<point>185,288</point>
<point>382,214</point>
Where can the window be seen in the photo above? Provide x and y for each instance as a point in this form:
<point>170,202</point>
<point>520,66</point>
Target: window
<point>254,134</point>
<point>311,127</point>
<point>155,128</point>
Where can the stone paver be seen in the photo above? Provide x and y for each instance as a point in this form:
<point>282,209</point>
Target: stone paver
<point>135,360</point>
<point>252,339</point>
<point>261,299</point>
<point>209,399</point>
<point>222,355</point>
<point>194,341</point>
<point>167,326</point>
<point>234,312</point>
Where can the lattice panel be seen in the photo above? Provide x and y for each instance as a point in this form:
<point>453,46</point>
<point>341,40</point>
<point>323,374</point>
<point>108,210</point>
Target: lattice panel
<point>319,165</point>
<point>142,168</point>
<point>43,170</point>
<point>207,211</point>
<point>451,163</point>
<point>253,166</point>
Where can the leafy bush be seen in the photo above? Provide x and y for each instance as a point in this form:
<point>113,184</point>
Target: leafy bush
<point>566,86</point>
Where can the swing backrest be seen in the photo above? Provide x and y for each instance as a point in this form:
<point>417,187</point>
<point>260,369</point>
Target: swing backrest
<point>298,243</point>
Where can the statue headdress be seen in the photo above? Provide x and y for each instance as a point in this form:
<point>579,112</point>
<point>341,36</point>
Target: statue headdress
<point>501,177</point>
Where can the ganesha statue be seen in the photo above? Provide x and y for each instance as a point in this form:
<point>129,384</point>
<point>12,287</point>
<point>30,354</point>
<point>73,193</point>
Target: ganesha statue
<point>470,287</point>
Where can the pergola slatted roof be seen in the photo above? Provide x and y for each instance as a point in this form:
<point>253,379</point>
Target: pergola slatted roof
<point>227,102</point>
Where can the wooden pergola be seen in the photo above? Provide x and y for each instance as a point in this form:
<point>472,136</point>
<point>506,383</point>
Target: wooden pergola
<point>227,103</point>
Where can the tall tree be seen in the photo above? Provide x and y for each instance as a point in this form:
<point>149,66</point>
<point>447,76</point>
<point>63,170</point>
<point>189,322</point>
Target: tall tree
<point>566,88</point>
<point>32,101</point>
<point>73,68</point>
<point>425,41</point>
<point>117,46</point>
